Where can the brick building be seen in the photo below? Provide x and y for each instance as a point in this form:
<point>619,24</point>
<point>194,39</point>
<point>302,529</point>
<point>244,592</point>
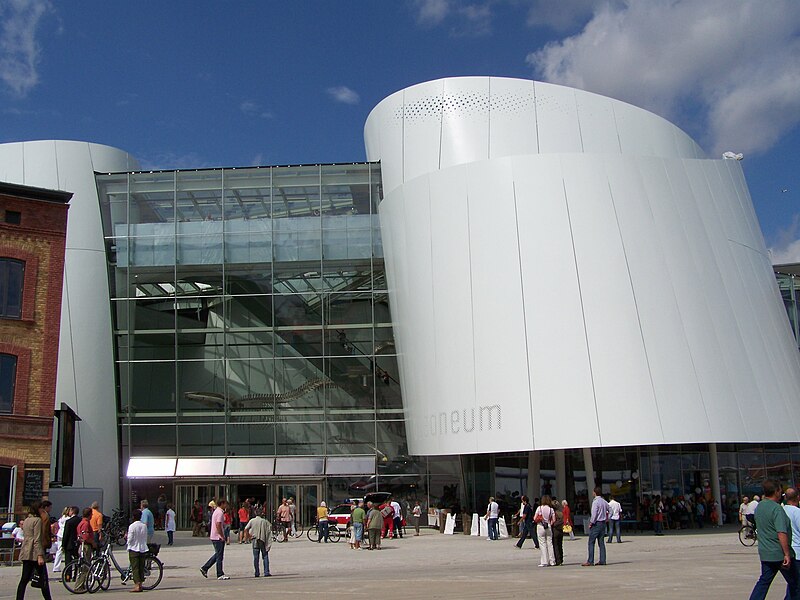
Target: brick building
<point>33,225</point>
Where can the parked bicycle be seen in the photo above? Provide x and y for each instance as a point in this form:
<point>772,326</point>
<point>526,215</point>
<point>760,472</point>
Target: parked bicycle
<point>116,528</point>
<point>748,535</point>
<point>75,574</point>
<point>333,533</point>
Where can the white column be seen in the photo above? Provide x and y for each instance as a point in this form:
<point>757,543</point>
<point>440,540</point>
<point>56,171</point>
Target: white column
<point>561,474</point>
<point>534,475</point>
<point>715,493</point>
<point>589,468</point>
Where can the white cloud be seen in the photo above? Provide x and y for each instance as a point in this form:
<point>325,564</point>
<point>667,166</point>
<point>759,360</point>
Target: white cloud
<point>787,247</point>
<point>253,109</point>
<point>344,94</point>
<point>431,12</point>
<point>19,50</point>
<point>735,64</point>
<point>465,19</point>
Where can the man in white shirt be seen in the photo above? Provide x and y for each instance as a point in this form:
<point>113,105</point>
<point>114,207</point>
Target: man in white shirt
<point>750,513</point>
<point>137,549</point>
<point>492,514</point>
<point>743,510</point>
<point>398,519</point>
<point>614,517</point>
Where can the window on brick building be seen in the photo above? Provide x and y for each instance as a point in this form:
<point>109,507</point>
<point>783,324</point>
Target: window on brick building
<point>12,276</point>
<point>8,378</point>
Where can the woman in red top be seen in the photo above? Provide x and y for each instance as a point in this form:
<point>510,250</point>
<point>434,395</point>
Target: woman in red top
<point>244,517</point>
<point>228,522</point>
<point>568,520</point>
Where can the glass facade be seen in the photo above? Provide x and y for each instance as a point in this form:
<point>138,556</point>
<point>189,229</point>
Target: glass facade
<point>251,317</point>
<point>789,286</point>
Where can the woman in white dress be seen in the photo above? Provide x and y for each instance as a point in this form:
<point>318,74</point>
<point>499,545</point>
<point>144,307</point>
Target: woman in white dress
<point>65,514</point>
<point>544,517</point>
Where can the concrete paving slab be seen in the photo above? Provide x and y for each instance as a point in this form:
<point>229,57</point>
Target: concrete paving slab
<point>709,564</point>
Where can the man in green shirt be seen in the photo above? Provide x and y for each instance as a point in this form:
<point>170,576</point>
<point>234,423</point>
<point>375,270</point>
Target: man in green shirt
<point>774,544</point>
<point>374,526</point>
<point>358,517</point>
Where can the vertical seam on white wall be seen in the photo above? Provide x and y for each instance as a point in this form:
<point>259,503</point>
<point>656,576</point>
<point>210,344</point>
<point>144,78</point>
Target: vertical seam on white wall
<point>583,311</point>
<point>524,314</point>
<point>471,308</point>
<point>616,127</point>
<point>441,125</point>
<point>636,308</point>
<point>489,125</point>
<point>535,117</point>
<point>578,119</point>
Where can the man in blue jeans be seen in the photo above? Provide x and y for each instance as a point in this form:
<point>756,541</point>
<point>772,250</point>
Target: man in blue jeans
<point>774,544</point>
<point>492,514</point>
<point>217,536</point>
<point>597,528</point>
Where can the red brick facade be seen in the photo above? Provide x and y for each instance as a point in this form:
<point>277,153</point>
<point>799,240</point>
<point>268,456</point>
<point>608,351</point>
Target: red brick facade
<point>39,241</point>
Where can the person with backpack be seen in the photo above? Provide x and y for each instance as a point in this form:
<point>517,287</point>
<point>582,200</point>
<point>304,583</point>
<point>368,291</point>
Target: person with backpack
<point>260,532</point>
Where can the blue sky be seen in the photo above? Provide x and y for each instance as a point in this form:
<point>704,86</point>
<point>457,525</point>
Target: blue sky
<point>192,84</point>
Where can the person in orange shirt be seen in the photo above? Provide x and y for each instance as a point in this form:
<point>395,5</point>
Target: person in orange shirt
<point>244,517</point>
<point>97,523</point>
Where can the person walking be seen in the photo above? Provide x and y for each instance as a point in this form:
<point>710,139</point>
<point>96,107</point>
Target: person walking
<point>416,513</point>
<point>137,549</point>
<point>568,524</point>
<point>322,522</point>
<point>614,518</point>
<point>293,515</point>
<point>597,528</point>
<point>792,509</point>
<point>169,524</point>
<point>284,515</point>
<point>357,517</point>
<point>259,530</point>
<point>544,517</point>
<point>657,507</point>
<point>374,526</point>
<point>743,510</point>
<point>525,521</point>
<point>32,553</point>
<point>217,536</point>
<point>492,514</point>
<point>774,544</point>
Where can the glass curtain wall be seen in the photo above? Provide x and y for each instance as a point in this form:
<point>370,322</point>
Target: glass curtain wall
<point>251,315</point>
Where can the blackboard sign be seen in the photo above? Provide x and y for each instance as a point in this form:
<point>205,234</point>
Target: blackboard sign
<point>34,481</point>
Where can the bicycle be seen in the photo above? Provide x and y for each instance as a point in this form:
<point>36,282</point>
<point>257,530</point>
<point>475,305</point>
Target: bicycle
<point>75,575</point>
<point>100,570</point>
<point>748,535</point>
<point>117,527</point>
<point>296,530</point>
<point>279,532</point>
<point>333,533</point>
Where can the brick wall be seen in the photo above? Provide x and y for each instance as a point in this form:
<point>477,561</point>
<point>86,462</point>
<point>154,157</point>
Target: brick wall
<point>39,240</point>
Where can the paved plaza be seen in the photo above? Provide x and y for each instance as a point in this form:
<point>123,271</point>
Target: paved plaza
<point>708,564</point>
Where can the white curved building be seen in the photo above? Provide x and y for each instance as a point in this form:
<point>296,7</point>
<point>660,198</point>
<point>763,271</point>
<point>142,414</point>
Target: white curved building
<point>86,381</point>
<point>566,270</point>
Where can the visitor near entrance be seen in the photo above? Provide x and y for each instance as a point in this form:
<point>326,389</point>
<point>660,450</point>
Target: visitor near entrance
<point>169,524</point>
<point>217,536</point>
<point>525,521</point>
<point>322,522</point>
<point>743,510</point>
<point>398,517</point>
<point>149,520</point>
<point>374,526</point>
<point>137,549</point>
<point>260,531</point>
<point>614,518</point>
<point>545,517</point>
<point>597,528</point>
<point>492,514</point>
<point>416,513</point>
<point>774,544</point>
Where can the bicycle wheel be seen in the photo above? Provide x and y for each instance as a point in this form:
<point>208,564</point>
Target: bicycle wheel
<point>297,530</point>
<point>313,534</point>
<point>74,576</point>
<point>334,534</point>
<point>747,535</point>
<point>280,535</point>
<point>153,572</point>
<point>99,576</point>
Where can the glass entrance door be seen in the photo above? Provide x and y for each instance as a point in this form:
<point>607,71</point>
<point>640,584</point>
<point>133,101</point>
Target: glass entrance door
<point>187,494</point>
<point>306,498</point>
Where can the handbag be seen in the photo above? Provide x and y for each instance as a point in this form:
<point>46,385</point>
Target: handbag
<point>36,580</point>
<point>567,528</point>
